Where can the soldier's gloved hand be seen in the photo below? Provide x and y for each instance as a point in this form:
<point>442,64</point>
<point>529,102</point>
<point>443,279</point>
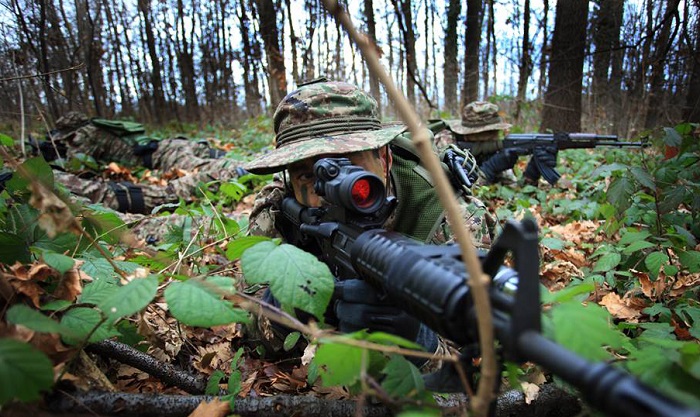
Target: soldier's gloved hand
<point>359,306</point>
<point>546,155</point>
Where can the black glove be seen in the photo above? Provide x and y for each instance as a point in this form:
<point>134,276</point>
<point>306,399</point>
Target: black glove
<point>359,306</point>
<point>543,162</point>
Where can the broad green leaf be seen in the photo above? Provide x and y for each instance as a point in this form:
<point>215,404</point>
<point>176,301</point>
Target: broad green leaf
<point>552,243</point>
<point>56,305</point>
<point>6,140</point>
<point>233,189</point>
<point>607,262</point>
<point>691,315</point>
<point>32,319</point>
<point>97,291</point>
<point>197,303</point>
<point>402,377</point>
<point>234,382</point>
<point>585,330</point>
<point>297,279</point>
<point>637,246</point>
<point>24,371</point>
<point>672,137</point>
<point>235,248</point>
<point>57,261</point>
<point>37,169</point>
<point>13,249</point>
<point>568,293</point>
<point>291,340</point>
<point>690,260</point>
<point>236,358</point>
<point>643,177</point>
<point>130,298</point>
<point>213,382</point>
<point>620,192</point>
<point>98,268</point>
<point>660,310</point>
<point>653,262</point>
<point>632,236</point>
<point>672,198</point>
<point>104,224</point>
<point>339,364</point>
<point>391,339</point>
<point>82,321</point>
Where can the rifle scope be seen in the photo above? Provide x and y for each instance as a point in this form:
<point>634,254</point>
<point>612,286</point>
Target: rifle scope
<point>349,186</point>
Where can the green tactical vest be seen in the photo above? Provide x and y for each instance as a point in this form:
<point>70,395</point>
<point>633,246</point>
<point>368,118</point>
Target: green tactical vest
<point>133,132</point>
<point>419,208</point>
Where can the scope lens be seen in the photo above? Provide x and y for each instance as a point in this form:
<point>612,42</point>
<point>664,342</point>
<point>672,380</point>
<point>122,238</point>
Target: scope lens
<point>362,194</point>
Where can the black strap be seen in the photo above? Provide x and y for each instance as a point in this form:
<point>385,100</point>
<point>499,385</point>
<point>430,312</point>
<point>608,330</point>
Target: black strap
<point>146,152</point>
<point>129,197</point>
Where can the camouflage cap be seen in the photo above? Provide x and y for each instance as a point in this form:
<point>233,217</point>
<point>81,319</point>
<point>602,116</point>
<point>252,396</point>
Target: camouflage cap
<point>71,120</point>
<point>323,118</point>
<point>478,116</point>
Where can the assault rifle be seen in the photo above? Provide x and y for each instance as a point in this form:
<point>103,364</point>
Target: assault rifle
<point>515,145</point>
<point>428,281</point>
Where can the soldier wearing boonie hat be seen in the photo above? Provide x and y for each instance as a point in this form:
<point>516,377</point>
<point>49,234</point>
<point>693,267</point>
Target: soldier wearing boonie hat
<point>477,117</point>
<point>326,118</point>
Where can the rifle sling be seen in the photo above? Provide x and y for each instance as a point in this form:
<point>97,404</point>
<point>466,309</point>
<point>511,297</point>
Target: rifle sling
<point>129,197</point>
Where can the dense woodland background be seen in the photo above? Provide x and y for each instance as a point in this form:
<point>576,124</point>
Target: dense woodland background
<point>613,66</point>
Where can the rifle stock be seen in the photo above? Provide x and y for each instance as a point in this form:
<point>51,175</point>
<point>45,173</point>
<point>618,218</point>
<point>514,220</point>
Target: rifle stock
<point>430,282</point>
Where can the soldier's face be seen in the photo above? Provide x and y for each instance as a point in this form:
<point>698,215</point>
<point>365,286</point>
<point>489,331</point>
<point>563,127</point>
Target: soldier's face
<point>302,176</point>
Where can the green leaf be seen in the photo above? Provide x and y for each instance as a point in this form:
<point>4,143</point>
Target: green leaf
<point>672,137</point>
<point>32,319</point>
<point>234,382</point>
<point>631,236</point>
<point>339,364</point>
<point>57,261</point>
<point>585,330</point>
<point>98,268</point>
<point>97,291</point>
<point>671,198</point>
<point>653,262</point>
<point>291,340</point>
<point>607,262</point>
<point>391,339</point>
<point>233,189</point>
<point>6,140</point>
<point>403,379</point>
<point>36,169</point>
<point>24,371</point>
<point>660,310</point>
<point>637,246</point>
<point>196,303</point>
<point>620,192</point>
<point>13,249</point>
<point>552,243</point>
<point>81,321</point>
<point>643,177</point>
<point>297,279</point>
<point>690,260</point>
<point>235,248</point>
<point>213,382</point>
<point>105,224</point>
<point>568,293</point>
<point>130,298</point>
<point>56,305</point>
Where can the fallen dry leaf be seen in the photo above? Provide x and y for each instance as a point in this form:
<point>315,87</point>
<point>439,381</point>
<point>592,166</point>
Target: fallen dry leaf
<point>650,289</point>
<point>70,285</point>
<point>55,215</point>
<point>619,308</point>
<point>684,283</point>
<point>531,391</point>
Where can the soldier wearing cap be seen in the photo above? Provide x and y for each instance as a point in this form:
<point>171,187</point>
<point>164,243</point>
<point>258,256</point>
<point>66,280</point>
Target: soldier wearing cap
<point>479,130</point>
<point>325,118</point>
<point>126,143</point>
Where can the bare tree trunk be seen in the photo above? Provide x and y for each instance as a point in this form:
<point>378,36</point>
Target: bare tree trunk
<point>293,41</point>
<point>472,39</point>
<point>525,62</point>
<point>277,78</point>
<point>692,102</point>
<point>662,46</point>
<point>185,60</point>
<point>372,33</point>
<point>451,74</point>
<point>250,86</point>
<point>43,62</point>
<point>544,55</point>
<point>156,80</point>
<point>562,102</point>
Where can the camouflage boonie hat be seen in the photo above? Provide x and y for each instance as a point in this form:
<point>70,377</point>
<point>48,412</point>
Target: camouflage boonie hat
<point>478,116</point>
<point>71,120</point>
<point>323,118</point>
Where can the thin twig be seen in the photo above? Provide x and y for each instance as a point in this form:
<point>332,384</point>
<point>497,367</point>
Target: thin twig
<point>21,77</point>
<point>479,281</point>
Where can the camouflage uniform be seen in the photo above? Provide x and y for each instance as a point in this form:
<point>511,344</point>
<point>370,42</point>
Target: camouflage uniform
<point>329,118</point>
<point>479,126</point>
<point>80,136</point>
